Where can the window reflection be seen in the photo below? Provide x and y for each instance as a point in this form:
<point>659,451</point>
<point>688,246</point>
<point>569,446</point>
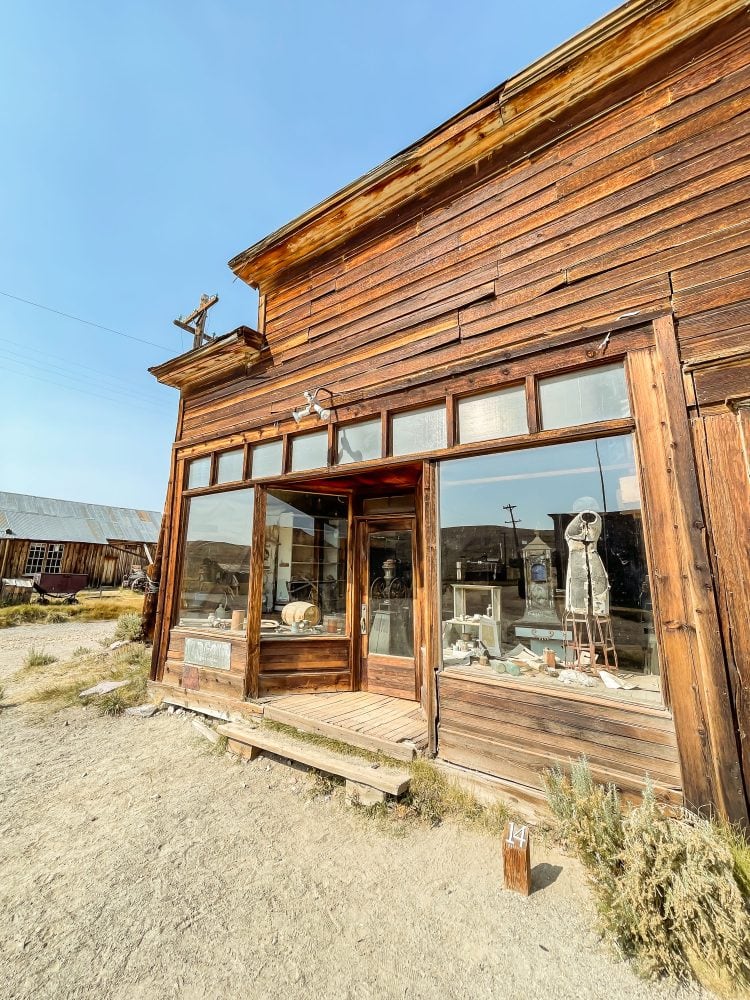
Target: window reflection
<point>216,560</point>
<point>543,569</point>
<point>419,430</point>
<point>199,473</point>
<point>359,442</point>
<point>304,566</point>
<point>583,397</point>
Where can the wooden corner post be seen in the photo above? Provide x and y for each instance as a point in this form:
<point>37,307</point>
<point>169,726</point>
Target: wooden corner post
<point>255,595</point>
<point>684,598</point>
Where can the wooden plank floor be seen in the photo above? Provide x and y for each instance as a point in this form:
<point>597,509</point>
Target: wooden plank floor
<point>375,722</point>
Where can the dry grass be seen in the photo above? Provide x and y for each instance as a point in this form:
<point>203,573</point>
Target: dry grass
<point>432,797</point>
<point>38,658</point>
<point>60,687</point>
<point>91,608</point>
<point>335,746</point>
<point>671,892</point>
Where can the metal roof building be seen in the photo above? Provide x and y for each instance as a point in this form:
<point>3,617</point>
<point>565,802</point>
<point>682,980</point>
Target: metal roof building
<point>42,534</point>
<point>45,519</point>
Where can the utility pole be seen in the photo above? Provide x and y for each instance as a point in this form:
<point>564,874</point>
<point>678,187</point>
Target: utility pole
<point>510,507</point>
<point>195,323</point>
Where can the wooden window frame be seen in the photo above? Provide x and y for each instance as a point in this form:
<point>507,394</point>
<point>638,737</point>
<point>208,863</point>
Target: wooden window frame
<point>35,559</point>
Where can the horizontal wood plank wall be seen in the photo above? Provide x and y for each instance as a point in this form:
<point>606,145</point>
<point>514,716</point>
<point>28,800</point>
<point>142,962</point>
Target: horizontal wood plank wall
<point>644,209</point>
<point>310,665</point>
<point>225,683</point>
<point>392,676</point>
<point>515,733</point>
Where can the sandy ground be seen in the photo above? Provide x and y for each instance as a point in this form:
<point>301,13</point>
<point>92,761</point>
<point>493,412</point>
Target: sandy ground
<point>59,640</point>
<point>134,864</point>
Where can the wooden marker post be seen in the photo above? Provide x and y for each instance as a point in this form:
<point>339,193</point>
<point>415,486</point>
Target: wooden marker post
<point>517,859</point>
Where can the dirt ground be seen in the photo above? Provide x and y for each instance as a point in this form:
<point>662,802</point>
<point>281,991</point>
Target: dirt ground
<point>58,640</point>
<point>135,864</point>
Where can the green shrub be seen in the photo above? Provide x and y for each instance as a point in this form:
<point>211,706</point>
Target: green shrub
<point>38,658</point>
<point>81,651</point>
<point>128,627</point>
<point>56,618</point>
<point>667,889</point>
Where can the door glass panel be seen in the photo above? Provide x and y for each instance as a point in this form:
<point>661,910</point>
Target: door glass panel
<point>390,593</point>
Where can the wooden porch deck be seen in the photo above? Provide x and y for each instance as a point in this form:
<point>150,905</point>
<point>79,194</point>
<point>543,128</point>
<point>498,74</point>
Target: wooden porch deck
<point>376,722</point>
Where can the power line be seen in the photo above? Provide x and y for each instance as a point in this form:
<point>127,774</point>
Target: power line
<point>67,367</point>
<point>75,388</point>
<point>87,322</point>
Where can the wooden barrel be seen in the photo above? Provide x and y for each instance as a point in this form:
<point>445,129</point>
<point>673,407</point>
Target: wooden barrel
<point>300,611</point>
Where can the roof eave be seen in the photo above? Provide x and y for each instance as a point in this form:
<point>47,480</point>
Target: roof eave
<point>229,354</point>
<point>614,47</point>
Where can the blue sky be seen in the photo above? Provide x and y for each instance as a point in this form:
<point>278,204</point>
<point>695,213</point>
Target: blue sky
<point>144,144</point>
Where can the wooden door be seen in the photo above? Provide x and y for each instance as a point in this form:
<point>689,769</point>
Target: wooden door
<point>388,611</point>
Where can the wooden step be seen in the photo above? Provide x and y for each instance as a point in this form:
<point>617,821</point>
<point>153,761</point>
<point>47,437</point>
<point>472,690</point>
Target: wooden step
<point>365,741</point>
<point>248,741</point>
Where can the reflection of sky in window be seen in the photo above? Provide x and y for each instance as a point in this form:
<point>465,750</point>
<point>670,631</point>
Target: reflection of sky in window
<point>221,517</point>
<point>539,481</point>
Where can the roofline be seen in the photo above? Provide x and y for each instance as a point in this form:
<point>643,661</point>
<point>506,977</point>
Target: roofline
<point>86,503</point>
<point>237,348</point>
<point>611,49</point>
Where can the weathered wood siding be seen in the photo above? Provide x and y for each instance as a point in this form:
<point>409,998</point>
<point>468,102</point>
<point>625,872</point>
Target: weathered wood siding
<point>722,442</point>
<point>644,209</point>
<point>105,566</point>
<point>204,680</point>
<point>515,733</point>
<point>632,210</point>
<point>297,665</point>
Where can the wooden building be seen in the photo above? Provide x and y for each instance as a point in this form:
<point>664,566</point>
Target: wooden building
<point>42,535</point>
<point>478,483</point>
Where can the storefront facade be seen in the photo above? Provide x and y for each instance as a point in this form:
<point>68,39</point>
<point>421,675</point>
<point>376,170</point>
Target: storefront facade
<point>456,466</point>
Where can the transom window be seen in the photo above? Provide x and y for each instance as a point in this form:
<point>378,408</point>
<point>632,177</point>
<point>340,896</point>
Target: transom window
<point>542,402</point>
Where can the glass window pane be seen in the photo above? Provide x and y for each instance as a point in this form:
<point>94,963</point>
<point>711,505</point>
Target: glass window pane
<point>304,572</point>
<point>216,558</point>
<point>199,473</point>
<point>583,397</point>
<point>359,442</point>
<point>419,430</point>
<point>266,460</point>
<point>391,593</point>
<point>544,577</point>
<point>310,451</point>
<point>35,558</point>
<point>230,466</point>
<point>496,414</point>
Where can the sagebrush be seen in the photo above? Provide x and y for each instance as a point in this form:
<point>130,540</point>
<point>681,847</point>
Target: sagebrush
<point>129,627</point>
<point>669,889</point>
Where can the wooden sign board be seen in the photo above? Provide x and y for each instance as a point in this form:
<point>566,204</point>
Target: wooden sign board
<point>208,653</point>
<point>517,858</point>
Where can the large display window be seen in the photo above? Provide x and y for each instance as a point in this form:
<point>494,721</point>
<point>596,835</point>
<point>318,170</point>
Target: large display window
<point>305,564</point>
<point>544,577</point>
<point>216,560</point>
